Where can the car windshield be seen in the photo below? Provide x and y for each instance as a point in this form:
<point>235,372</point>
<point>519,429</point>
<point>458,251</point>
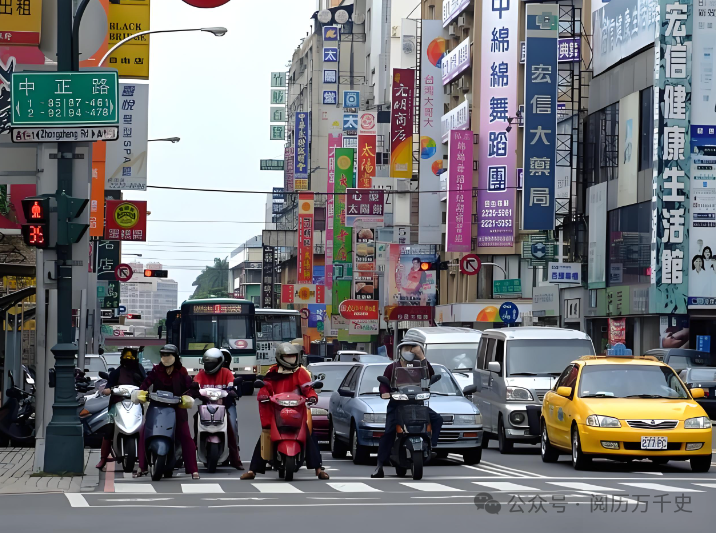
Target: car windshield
<point>544,357</point>
<point>95,364</point>
<point>701,374</point>
<point>334,375</point>
<point>630,381</point>
<point>454,356</point>
<point>369,384</point>
<point>446,386</point>
<point>113,359</point>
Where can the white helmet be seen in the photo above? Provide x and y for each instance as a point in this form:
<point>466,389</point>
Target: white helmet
<point>212,360</point>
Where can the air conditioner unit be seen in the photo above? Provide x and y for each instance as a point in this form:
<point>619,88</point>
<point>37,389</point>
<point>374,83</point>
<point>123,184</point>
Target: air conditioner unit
<point>461,21</point>
<point>446,89</point>
<point>464,83</point>
<point>452,30</point>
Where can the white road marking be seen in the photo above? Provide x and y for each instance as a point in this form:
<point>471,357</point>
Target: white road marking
<point>659,487</point>
<point>492,472</point>
<point>353,487</point>
<point>583,486</point>
<point>76,499</point>
<point>504,486</point>
<point>136,499</point>
<point>707,485</point>
<point>236,499</point>
<point>495,471</point>
<point>430,487</point>
<point>277,488</point>
<point>138,488</point>
<point>127,475</point>
<point>651,473</point>
<point>201,488</point>
<point>507,469</point>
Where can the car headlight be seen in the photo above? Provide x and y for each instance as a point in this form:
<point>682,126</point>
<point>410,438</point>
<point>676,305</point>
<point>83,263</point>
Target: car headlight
<point>422,396</point>
<point>317,411</point>
<point>599,421</point>
<point>399,396</point>
<point>288,403</point>
<point>373,418</point>
<point>700,422</point>
<point>519,394</point>
<point>467,420</point>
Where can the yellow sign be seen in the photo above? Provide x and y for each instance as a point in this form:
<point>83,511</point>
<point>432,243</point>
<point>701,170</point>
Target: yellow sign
<point>130,61</point>
<point>126,215</point>
<point>126,19</point>
<point>20,21</point>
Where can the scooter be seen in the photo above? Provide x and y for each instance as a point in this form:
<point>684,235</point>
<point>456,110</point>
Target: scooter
<point>287,427</point>
<point>17,417</point>
<point>127,419</point>
<point>93,409</point>
<point>410,387</point>
<point>212,432</point>
<point>162,448</point>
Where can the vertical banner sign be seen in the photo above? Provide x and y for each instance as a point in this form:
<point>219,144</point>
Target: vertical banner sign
<point>96,218</point>
<point>342,235</point>
<point>458,231</point>
<point>108,257</point>
<point>288,184</point>
<point>497,183</point>
<point>540,141</point>
<point>126,19</point>
<point>432,99</point>
<point>334,141</point>
<point>267,278</point>
<point>127,159</point>
<point>670,186</point>
<point>401,123</point>
<point>301,150</point>
<point>365,266</point>
<point>367,143</point>
<point>305,238</point>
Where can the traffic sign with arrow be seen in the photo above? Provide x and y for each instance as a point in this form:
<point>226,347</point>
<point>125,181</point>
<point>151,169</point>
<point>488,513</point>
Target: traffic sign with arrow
<point>123,272</point>
<point>470,264</point>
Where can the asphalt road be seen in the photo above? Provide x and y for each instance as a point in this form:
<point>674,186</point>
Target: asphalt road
<point>517,490</point>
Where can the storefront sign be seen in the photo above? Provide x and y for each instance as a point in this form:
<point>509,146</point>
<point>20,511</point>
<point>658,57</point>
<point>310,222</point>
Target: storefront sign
<point>126,167</point>
<point>365,206</point>
<point>411,313</point>
<point>267,278</point>
<point>452,9</point>
<point>456,62</point>
<point>20,22</point>
<point>401,123</point>
<point>288,178</point>
<point>458,234</point>
<point>567,273</point>
<point>456,119</point>
<point>302,294</point>
<point>334,141</point>
<point>597,259</point>
<point>617,331</point>
<point>126,220</point>
<point>367,146</point>
<point>305,238</point>
<point>342,234</point>
<point>569,50</point>
<point>359,310</point>
<point>364,269</point>
<point>302,151</point>
<point>545,301</point>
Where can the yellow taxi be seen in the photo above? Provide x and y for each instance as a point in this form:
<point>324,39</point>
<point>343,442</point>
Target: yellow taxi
<point>624,407</point>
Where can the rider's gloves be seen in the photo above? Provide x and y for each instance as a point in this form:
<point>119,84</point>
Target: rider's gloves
<point>312,401</point>
<point>139,396</point>
<point>187,402</point>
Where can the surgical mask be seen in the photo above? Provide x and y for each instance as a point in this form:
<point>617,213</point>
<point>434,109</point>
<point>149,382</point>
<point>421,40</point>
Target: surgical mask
<point>168,360</point>
<point>408,356</point>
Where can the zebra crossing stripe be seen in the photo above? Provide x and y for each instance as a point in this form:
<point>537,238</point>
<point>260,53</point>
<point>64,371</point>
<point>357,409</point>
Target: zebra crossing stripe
<point>201,488</point>
<point>505,486</point>
<point>277,488</point>
<point>431,487</point>
<point>139,488</point>
<point>659,487</point>
<point>353,487</point>
<point>584,486</point>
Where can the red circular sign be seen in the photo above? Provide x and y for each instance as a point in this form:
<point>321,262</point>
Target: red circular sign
<point>305,313</point>
<point>470,265</point>
<point>123,272</point>
<point>241,344</point>
<point>367,121</point>
<point>206,3</point>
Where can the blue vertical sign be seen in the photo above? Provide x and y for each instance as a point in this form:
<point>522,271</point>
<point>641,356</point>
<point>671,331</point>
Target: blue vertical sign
<point>301,151</point>
<point>540,133</point>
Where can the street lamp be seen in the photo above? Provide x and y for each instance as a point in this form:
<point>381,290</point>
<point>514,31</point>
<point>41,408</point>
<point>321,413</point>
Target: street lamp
<point>137,255</point>
<point>166,139</point>
<point>216,31</point>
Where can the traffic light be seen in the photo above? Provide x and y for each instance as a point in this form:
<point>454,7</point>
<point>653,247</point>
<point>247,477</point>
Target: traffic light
<point>156,273</point>
<point>69,208</point>
<point>36,230</point>
<point>436,265</point>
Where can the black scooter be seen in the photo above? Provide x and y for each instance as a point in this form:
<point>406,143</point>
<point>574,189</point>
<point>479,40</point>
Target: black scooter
<point>163,450</point>
<point>410,388</point>
<point>17,417</point>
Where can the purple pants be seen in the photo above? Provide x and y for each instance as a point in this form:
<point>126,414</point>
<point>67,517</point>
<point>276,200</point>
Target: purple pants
<point>187,446</point>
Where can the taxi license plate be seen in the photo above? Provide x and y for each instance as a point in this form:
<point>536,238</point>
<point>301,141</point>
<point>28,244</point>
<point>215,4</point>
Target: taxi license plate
<point>653,443</point>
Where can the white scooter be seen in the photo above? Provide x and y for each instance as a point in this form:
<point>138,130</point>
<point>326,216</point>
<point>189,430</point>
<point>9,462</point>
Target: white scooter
<point>212,434</point>
<point>127,419</point>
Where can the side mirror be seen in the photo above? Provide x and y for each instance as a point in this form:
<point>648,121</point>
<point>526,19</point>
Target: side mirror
<point>238,381</point>
<point>318,385</point>
<point>697,393</point>
<point>346,393</point>
<point>104,375</point>
<point>258,384</point>
<point>110,369</point>
<point>565,392</point>
<point>384,381</point>
<point>470,389</point>
<point>321,376</point>
<point>259,377</point>
<point>435,378</point>
<point>494,366</point>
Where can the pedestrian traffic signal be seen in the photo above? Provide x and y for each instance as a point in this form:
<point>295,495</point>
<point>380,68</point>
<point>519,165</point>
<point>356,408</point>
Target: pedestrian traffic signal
<point>36,230</point>
<point>148,273</point>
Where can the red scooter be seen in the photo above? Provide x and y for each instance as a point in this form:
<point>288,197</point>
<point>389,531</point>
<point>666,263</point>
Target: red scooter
<point>285,415</point>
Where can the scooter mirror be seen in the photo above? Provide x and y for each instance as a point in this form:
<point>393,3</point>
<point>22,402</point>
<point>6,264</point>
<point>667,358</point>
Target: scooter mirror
<point>317,385</point>
<point>238,381</point>
<point>258,384</point>
<point>103,375</point>
<point>383,380</point>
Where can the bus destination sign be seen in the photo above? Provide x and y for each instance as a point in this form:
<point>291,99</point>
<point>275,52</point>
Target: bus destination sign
<point>217,309</point>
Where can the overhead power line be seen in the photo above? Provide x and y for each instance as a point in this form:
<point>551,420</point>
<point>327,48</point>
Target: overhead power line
<point>238,191</point>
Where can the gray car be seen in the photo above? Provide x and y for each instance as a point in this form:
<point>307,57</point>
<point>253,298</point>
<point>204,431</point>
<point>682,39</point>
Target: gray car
<point>357,413</point>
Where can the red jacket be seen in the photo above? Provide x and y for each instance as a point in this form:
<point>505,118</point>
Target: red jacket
<point>282,383</point>
<point>222,378</point>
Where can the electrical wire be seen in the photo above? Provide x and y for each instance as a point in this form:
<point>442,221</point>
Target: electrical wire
<point>239,191</point>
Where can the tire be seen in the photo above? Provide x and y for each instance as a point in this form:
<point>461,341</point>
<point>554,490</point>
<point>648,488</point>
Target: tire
<point>160,462</point>
<point>212,456</point>
<point>485,440</point>
<point>247,388</point>
<point>417,467</point>
<point>338,449</point>
<point>359,453</point>
<point>549,452</point>
<point>505,445</point>
<point>130,455</point>
<point>701,463</point>
<point>579,460</point>
<point>473,456</point>
<point>290,468</point>
<point>400,471</point>
<point>661,461</point>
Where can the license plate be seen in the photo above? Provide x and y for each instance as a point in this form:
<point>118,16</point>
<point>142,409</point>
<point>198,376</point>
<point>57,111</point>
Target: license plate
<point>653,443</point>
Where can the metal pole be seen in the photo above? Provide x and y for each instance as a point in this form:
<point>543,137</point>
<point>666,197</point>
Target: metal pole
<point>64,448</point>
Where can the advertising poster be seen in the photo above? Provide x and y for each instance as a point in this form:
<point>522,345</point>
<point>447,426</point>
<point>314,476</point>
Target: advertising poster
<point>126,163</point>
<point>597,259</point>
<point>126,220</point>
<point>302,157</point>
<point>407,283</point>
<point>364,268</point>
<point>628,149</point>
<point>317,314</point>
<point>540,130</point>
<point>617,331</point>
<point>365,207</point>
<point>432,100</point>
<point>367,145</point>
<point>497,182</point>
<point>305,238</point>
<point>342,235</point>
<point>401,123</point>
<point>458,230</point>
<point>674,332</point>
<point>334,141</point>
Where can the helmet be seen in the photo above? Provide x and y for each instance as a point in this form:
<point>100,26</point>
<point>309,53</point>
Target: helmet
<point>213,360</point>
<point>227,358</point>
<point>128,354</point>
<point>169,349</point>
<point>288,349</point>
<point>405,350</point>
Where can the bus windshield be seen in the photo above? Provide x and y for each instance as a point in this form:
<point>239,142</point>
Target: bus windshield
<point>281,328</point>
<point>201,332</point>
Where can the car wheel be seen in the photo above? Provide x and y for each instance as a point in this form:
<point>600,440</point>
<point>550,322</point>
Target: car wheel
<point>701,463</point>
<point>505,445</point>
<point>338,449</point>
<point>472,456</point>
<point>360,453</point>
<point>485,440</point>
<point>549,452</point>
<point>579,460</point>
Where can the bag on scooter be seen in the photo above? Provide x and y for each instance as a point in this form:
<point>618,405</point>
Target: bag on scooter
<point>266,448</point>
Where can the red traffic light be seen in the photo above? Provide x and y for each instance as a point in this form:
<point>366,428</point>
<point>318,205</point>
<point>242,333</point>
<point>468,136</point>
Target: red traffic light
<point>148,273</point>
<point>36,209</point>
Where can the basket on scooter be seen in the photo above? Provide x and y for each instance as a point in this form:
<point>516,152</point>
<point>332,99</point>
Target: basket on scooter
<point>413,416</point>
<point>211,415</point>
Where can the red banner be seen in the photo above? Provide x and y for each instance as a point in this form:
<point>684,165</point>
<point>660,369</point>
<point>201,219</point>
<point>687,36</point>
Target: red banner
<point>126,220</point>
<point>305,238</point>
<point>408,312</point>
<point>617,331</point>
<point>359,309</point>
<point>401,123</point>
<point>367,145</point>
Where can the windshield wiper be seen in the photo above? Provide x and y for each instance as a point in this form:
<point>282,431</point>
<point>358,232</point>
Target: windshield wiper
<point>647,396</point>
<point>440,393</point>
<point>462,370</point>
<point>600,395</point>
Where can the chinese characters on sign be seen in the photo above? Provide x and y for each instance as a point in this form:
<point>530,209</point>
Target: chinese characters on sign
<point>565,273</point>
<point>342,235</point>
<point>540,145</point>
<point>452,9</point>
<point>670,191</point>
<point>458,234</point>
<point>456,119</point>
<point>20,22</point>
<point>126,167</point>
<point>267,278</point>
<point>301,150</point>
<point>125,19</point>
<point>367,145</point>
<point>366,206</point>
<point>305,238</point>
<point>401,123</point>
<point>288,180</point>
<point>456,61</point>
<point>365,265</point>
<point>126,220</point>
<point>334,141</point>
<point>568,50</point>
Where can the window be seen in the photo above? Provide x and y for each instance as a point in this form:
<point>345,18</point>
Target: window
<point>499,356</point>
<point>431,12</point>
<point>646,129</point>
<point>349,377</point>
<point>367,22</point>
<point>319,216</point>
<point>571,379</point>
<point>482,350</point>
<point>609,143</point>
<point>490,351</point>
<point>629,230</point>
<point>536,357</point>
<point>354,380</point>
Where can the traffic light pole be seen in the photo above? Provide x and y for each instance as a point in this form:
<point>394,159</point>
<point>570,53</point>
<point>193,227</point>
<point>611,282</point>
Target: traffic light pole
<point>64,448</point>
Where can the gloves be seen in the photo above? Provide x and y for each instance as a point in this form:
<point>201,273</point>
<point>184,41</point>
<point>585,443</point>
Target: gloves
<point>312,401</point>
<point>187,402</point>
<point>139,396</point>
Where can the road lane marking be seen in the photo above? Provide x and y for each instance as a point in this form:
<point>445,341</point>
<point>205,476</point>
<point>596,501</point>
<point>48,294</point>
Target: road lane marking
<point>584,486</point>
<point>430,487</point>
<point>504,486</point>
<point>496,473</point>
<point>707,485</point>
<point>659,487</point>
<point>139,488</point>
<point>277,488</point>
<point>135,499</point>
<point>651,473</point>
<point>508,469</point>
<point>201,488</point>
<point>353,487</point>
<point>76,499</point>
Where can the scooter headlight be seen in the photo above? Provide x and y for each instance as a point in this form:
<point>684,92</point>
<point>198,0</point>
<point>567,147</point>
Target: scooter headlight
<point>399,396</point>
<point>288,403</point>
<point>422,396</point>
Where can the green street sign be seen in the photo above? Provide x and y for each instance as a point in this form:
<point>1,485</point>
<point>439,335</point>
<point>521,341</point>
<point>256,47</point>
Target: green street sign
<point>64,98</point>
<point>271,164</point>
<point>507,287</point>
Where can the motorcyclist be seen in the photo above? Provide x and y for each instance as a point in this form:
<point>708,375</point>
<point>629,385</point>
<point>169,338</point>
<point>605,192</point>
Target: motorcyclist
<point>172,377</point>
<point>288,376</point>
<point>214,375</point>
<point>130,372</point>
<point>410,353</point>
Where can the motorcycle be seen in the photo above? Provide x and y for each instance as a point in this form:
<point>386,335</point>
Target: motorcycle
<point>127,419</point>
<point>410,388</point>
<point>287,427</point>
<point>17,417</point>
<point>212,430</point>
<point>93,407</point>
<point>163,450</point>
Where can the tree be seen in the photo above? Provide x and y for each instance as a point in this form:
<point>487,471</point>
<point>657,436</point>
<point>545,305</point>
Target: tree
<point>213,280</point>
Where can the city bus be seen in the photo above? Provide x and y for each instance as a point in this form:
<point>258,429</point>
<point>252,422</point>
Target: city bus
<point>215,323</point>
<point>274,326</point>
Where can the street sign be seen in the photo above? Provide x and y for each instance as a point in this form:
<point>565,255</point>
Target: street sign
<point>470,264</point>
<point>64,98</point>
<point>66,134</point>
<point>123,272</point>
<point>507,287</point>
<point>107,313</point>
<point>509,313</point>
<point>271,164</point>
<point>305,313</point>
<point>122,309</point>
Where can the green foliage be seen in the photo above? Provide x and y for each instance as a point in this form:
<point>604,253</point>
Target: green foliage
<point>213,280</point>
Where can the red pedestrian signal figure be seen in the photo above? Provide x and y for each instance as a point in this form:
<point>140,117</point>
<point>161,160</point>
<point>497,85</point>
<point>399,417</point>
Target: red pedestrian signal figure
<point>36,211</point>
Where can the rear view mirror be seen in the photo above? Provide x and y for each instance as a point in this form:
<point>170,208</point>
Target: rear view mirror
<point>258,384</point>
<point>470,389</point>
<point>317,385</point>
<point>697,393</point>
<point>384,381</point>
<point>565,392</point>
<point>494,366</point>
<point>321,376</point>
<point>346,393</point>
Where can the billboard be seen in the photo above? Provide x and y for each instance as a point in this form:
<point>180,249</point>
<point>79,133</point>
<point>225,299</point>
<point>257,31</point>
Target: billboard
<point>407,283</point>
<point>126,220</point>
<point>126,167</point>
<point>401,123</point>
<point>305,238</point>
<point>302,156</point>
<point>458,227</point>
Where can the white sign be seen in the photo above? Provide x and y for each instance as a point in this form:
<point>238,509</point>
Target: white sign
<point>453,8</point>
<point>126,167</point>
<point>545,301</point>
<point>703,97</point>
<point>572,309</point>
<point>456,61</point>
<point>567,273</point>
<point>363,327</point>
<point>457,119</point>
<point>69,134</point>
<point>597,238</point>
<point>368,123</point>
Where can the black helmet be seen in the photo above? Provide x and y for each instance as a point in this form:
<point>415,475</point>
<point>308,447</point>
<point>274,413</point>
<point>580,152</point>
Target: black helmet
<point>129,354</point>
<point>227,358</point>
<point>212,360</point>
<point>169,349</point>
<point>289,349</point>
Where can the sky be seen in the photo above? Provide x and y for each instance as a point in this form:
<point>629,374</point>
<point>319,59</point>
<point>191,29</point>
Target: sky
<point>213,93</point>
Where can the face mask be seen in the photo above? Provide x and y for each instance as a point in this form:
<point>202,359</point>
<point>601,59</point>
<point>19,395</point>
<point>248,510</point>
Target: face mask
<point>168,360</point>
<point>407,356</point>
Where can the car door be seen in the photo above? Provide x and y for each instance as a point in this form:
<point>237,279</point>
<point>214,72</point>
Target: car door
<point>497,388</point>
<point>346,391</point>
<point>487,347</point>
<point>562,409</point>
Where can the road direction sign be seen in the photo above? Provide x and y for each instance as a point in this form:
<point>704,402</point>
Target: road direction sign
<point>64,134</point>
<point>509,313</point>
<point>123,272</point>
<point>64,98</point>
<point>470,264</point>
<point>305,313</point>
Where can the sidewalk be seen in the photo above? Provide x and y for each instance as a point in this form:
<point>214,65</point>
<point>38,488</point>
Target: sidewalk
<point>16,469</point>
